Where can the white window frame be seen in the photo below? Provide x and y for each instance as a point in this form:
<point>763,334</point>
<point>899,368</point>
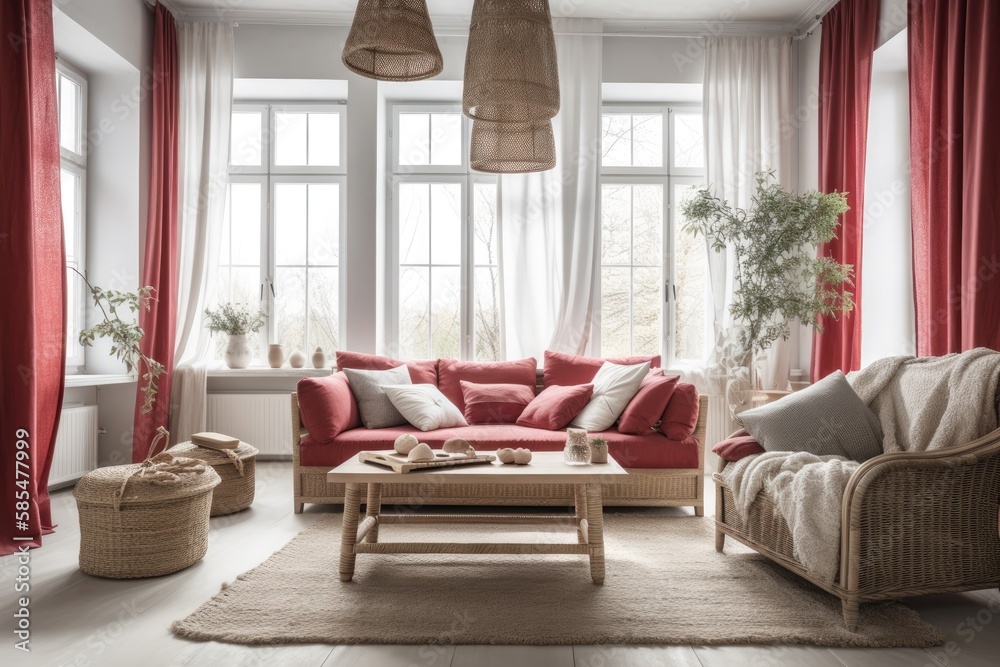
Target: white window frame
<point>666,259</point>
<point>467,178</point>
<point>76,164</point>
<point>275,109</point>
<point>672,112</point>
<point>398,168</point>
<point>265,143</point>
<point>268,286</point>
<point>268,176</point>
<point>666,175</point>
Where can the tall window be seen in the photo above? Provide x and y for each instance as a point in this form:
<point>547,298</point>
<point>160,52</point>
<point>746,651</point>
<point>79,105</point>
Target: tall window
<point>71,96</point>
<point>282,232</point>
<point>443,244</point>
<point>653,296</point>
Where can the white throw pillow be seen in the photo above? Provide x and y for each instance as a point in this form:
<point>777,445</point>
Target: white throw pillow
<point>424,406</point>
<point>614,386</point>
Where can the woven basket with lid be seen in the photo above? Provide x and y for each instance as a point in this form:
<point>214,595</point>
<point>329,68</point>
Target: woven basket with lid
<point>144,519</point>
<point>236,468</point>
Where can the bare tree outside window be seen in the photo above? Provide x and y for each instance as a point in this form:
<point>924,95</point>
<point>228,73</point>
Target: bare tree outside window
<point>641,255</point>
<point>446,226</point>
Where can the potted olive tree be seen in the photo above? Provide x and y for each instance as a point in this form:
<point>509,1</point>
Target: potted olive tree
<point>238,322</point>
<point>778,277</point>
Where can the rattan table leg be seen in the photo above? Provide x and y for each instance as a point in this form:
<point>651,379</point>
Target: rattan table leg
<point>373,506</point>
<point>595,532</point>
<point>352,503</point>
<point>580,497</point>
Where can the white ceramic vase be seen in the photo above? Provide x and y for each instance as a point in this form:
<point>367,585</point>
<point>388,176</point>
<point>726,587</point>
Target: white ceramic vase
<point>319,358</point>
<point>275,355</point>
<point>297,359</point>
<point>239,352</point>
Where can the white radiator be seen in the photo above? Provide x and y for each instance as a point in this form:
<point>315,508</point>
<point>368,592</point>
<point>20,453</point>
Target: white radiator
<point>263,420</point>
<point>75,451</point>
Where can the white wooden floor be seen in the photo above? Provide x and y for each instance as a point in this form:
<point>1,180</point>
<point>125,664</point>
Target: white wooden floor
<point>81,620</point>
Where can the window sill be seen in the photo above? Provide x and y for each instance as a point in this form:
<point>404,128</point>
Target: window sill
<point>93,380</point>
<point>264,372</point>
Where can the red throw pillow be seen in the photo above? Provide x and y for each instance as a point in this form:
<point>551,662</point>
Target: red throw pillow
<point>327,407</point>
<point>644,411</point>
<point>451,373</point>
<point>738,448</point>
<point>422,371</point>
<point>681,415</point>
<point>570,369</point>
<point>556,407</point>
<point>495,403</point>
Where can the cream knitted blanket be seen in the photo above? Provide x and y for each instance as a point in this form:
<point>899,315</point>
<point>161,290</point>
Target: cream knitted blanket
<point>808,491</point>
<point>931,402</point>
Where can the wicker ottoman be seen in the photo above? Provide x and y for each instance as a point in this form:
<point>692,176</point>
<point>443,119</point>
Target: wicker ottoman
<point>144,519</point>
<point>236,467</point>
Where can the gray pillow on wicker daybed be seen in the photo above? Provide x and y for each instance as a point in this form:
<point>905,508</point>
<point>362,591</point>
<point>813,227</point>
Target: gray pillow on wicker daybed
<point>826,418</point>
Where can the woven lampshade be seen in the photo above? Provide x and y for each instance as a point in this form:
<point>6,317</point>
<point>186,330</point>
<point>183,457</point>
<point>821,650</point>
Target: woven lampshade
<point>511,74</point>
<point>392,40</point>
<point>512,148</point>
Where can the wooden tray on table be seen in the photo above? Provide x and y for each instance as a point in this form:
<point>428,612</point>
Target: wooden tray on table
<point>401,464</point>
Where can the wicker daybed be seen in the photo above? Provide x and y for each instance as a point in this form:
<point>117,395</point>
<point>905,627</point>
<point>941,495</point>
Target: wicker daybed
<point>914,523</point>
<point>653,487</point>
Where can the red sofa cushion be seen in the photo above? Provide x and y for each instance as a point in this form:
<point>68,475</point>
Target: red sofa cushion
<point>451,372</point>
<point>327,406</point>
<point>422,371</point>
<point>653,450</point>
<point>570,369</point>
<point>681,416</point>
<point>644,411</point>
<point>495,403</point>
<point>556,407</point>
<point>737,448</point>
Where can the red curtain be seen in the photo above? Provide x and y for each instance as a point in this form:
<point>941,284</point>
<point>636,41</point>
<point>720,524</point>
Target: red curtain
<point>160,260</point>
<point>32,271</point>
<point>955,170</point>
<point>845,73</point>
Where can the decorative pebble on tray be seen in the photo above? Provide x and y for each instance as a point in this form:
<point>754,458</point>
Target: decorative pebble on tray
<point>422,452</point>
<point>456,446</point>
<point>405,443</point>
<point>519,456</point>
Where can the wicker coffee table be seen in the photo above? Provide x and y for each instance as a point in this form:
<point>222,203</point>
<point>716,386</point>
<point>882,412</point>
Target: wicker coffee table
<point>545,467</point>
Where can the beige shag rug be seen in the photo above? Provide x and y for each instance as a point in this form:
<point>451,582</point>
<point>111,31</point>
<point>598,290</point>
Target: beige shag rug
<point>665,585</point>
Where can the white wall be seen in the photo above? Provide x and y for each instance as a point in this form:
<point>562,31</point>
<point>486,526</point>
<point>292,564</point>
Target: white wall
<point>653,60</point>
<point>111,42</point>
<point>887,322</point>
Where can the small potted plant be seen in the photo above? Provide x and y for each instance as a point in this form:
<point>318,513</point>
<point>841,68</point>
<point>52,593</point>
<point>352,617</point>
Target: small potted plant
<point>598,450</point>
<point>238,322</point>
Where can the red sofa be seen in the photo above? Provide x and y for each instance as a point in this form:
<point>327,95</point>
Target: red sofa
<point>663,471</point>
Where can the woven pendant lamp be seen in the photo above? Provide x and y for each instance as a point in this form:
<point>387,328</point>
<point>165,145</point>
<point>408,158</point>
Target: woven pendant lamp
<point>392,40</point>
<point>512,148</point>
<point>511,75</point>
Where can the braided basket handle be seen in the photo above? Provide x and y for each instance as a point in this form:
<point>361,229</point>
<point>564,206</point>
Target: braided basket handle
<point>162,435</point>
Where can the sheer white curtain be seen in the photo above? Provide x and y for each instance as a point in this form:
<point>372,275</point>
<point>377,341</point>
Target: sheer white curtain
<point>205,55</point>
<point>748,128</point>
<point>549,220</point>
